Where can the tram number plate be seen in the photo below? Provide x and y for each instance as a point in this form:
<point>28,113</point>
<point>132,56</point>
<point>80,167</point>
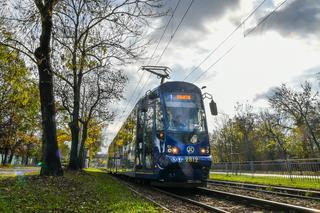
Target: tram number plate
<point>192,159</point>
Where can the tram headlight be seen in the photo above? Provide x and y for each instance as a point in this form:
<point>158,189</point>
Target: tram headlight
<point>194,139</point>
<point>203,151</point>
<point>175,150</point>
<point>172,149</point>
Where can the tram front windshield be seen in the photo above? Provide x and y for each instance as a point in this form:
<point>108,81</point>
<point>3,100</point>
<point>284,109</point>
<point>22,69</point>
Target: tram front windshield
<point>184,112</point>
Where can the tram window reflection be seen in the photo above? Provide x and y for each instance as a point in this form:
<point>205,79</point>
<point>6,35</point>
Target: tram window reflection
<point>185,115</point>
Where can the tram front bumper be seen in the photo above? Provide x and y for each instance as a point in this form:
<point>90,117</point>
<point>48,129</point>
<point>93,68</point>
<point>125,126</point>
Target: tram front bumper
<point>187,168</point>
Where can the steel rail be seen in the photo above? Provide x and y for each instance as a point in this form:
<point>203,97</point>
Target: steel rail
<point>283,191</point>
<point>257,201</point>
<point>197,203</point>
<point>149,199</point>
<point>203,205</point>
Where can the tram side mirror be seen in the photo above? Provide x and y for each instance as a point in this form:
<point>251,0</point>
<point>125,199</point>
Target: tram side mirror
<point>213,108</point>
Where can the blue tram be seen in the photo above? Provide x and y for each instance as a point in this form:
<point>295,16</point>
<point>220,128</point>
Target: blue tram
<point>165,138</point>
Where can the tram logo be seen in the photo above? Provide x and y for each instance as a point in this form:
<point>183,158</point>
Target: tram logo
<point>190,149</point>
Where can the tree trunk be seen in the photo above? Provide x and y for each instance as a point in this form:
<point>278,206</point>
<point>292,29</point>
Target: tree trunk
<point>6,152</point>
<point>10,157</point>
<point>27,155</point>
<point>26,159</point>
<point>74,126</point>
<point>74,161</point>
<point>51,156</point>
<point>249,147</point>
<point>82,156</point>
<point>2,157</point>
<point>313,135</point>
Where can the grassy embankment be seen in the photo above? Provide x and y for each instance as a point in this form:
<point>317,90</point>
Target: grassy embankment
<point>89,191</point>
<point>276,181</point>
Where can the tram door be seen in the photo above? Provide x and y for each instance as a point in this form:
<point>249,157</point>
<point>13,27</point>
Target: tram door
<point>144,155</point>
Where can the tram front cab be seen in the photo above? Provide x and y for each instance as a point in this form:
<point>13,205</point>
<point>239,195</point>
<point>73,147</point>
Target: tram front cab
<point>185,149</point>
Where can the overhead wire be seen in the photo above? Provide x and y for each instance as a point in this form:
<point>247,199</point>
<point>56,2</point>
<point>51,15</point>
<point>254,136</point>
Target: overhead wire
<point>266,17</point>
<point>174,11</point>
<point>247,33</point>
<point>184,15</point>
<point>212,65</point>
<point>220,44</point>
<point>224,40</point>
<point>151,57</point>
<point>168,43</point>
<point>161,53</point>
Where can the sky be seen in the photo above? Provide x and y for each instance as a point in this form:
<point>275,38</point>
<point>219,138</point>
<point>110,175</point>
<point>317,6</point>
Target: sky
<point>245,68</point>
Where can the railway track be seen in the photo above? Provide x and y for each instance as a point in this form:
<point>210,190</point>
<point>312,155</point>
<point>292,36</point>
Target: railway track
<point>145,196</point>
<point>200,199</point>
<point>194,202</point>
<point>282,191</point>
<point>236,199</point>
<point>172,202</point>
<point>150,199</point>
<point>262,203</point>
<point>158,199</point>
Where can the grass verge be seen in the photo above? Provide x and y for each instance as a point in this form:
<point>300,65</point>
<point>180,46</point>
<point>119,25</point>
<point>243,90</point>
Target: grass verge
<point>274,181</point>
<point>89,191</point>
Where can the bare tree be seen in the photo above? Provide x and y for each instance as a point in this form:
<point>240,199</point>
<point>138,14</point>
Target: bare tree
<point>245,121</point>
<point>98,92</point>
<point>52,164</point>
<point>92,40</point>
<point>273,128</point>
<point>21,21</point>
<point>301,108</point>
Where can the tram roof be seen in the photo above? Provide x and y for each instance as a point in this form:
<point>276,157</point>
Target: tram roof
<point>171,84</point>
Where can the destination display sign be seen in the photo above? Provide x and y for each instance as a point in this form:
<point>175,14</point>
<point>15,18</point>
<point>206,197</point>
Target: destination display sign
<point>184,97</point>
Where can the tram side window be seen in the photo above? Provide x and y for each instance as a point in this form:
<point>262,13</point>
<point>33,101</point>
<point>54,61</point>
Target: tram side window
<point>138,156</point>
<point>111,156</point>
<point>148,136</point>
<point>132,132</point>
<point>159,116</point>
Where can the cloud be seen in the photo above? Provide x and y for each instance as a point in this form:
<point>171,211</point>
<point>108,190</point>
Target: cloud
<point>204,18</point>
<point>298,18</point>
<point>180,72</point>
<point>202,11</point>
<point>311,75</point>
<point>205,11</point>
<point>195,24</point>
<point>265,95</point>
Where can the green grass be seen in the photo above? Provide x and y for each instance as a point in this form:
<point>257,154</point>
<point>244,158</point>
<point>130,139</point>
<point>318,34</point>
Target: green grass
<point>275,181</point>
<point>89,191</point>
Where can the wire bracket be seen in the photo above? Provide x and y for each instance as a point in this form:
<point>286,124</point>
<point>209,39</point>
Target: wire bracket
<point>207,95</point>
